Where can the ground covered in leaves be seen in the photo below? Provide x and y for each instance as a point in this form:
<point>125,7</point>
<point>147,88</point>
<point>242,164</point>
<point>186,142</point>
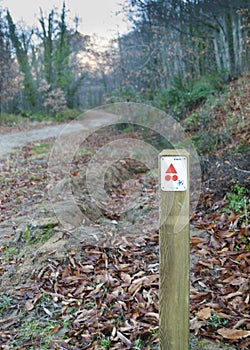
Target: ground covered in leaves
<point>97,287</point>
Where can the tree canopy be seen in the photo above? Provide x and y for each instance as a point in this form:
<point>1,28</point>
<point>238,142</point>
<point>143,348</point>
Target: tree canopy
<point>172,43</point>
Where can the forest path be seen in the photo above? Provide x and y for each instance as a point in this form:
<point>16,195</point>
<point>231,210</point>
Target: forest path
<point>93,119</point>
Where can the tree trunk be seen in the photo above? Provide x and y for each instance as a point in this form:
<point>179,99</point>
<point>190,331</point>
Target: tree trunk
<point>217,52</point>
<point>224,37</point>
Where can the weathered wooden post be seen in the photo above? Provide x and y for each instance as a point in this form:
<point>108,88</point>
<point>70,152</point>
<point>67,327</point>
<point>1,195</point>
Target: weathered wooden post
<point>174,249</point>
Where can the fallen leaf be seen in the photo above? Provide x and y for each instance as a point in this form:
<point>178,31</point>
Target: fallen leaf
<point>195,324</point>
<point>233,334</point>
<point>232,295</point>
<point>204,314</point>
<point>152,314</point>
<point>124,339</point>
<point>29,305</point>
<point>55,329</point>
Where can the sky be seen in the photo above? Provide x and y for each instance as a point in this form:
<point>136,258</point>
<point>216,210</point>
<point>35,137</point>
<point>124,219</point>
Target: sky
<point>96,16</point>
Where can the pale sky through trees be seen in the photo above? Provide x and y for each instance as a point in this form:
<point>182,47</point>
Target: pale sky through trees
<point>96,16</point>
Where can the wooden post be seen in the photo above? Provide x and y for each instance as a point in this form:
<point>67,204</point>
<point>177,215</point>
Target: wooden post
<point>174,249</point>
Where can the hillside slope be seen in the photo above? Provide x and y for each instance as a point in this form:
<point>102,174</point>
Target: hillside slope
<point>220,129</point>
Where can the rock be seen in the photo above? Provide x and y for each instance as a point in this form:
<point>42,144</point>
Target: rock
<point>69,214</point>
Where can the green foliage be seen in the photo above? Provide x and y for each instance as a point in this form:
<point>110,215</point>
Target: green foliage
<point>105,342</point>
<point>67,322</point>
<point>238,200</point>
<point>207,141</point>
<point>204,142</point>
<point>67,114</point>
<point>41,148</point>
<point>30,90</point>
<point>215,321</point>
<point>42,233</point>
<point>57,84</point>
<point>5,303</point>
<point>9,253</point>
<point>34,329</point>
<point>127,127</point>
<point>23,117</point>
<point>196,121</point>
<point>125,93</point>
<point>10,77</point>
<point>138,344</point>
<point>46,234</point>
<point>11,119</point>
<point>47,38</point>
<point>184,94</point>
<point>244,244</point>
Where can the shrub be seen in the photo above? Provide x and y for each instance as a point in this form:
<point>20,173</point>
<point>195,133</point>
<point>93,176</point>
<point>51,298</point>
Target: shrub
<point>67,114</point>
<point>55,101</point>
<point>126,93</point>
<point>185,94</point>
<point>11,119</point>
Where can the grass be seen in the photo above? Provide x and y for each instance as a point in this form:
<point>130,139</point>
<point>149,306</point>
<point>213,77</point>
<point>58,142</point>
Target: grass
<point>5,303</point>
<point>33,329</point>
<point>36,234</point>
<point>24,118</point>
<point>204,344</point>
<point>105,342</point>
<point>245,243</point>
<point>12,119</point>
<point>9,253</point>
<point>138,344</point>
<point>42,330</point>
<point>41,148</point>
<point>85,151</point>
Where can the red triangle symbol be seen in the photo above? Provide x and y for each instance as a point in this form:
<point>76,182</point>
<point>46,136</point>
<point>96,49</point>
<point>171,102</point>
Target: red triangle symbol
<point>171,169</point>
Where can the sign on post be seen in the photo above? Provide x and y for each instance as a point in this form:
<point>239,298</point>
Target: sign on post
<point>174,249</point>
<point>174,173</point>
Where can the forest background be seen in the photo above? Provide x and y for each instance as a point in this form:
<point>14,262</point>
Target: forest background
<point>177,54</point>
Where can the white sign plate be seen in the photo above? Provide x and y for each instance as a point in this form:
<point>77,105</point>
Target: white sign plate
<point>174,173</point>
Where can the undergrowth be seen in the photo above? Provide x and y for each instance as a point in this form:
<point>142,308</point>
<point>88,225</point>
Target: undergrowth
<point>23,118</point>
<point>185,94</point>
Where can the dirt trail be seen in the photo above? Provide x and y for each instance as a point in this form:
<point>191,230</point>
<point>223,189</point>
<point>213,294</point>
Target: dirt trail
<point>93,119</point>
<point>19,139</point>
